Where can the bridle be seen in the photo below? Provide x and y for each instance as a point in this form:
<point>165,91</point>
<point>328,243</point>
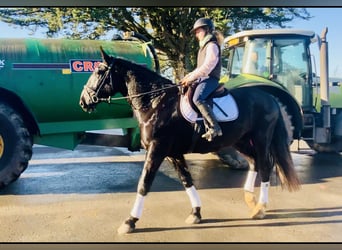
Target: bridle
<point>93,94</point>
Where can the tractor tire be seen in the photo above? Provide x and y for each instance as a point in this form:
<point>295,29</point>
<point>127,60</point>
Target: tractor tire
<point>233,158</point>
<point>287,120</point>
<point>15,145</point>
<point>334,147</point>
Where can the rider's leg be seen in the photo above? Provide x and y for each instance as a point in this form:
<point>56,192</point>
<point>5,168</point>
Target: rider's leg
<point>202,91</point>
<point>208,114</point>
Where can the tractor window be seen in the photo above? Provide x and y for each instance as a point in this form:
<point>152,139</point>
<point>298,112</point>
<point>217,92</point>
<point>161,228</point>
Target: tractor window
<point>255,59</point>
<point>290,67</point>
<point>249,58</point>
<point>236,61</point>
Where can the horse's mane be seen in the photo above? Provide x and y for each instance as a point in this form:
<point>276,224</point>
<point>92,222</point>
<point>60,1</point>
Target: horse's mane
<point>140,69</point>
<point>144,80</point>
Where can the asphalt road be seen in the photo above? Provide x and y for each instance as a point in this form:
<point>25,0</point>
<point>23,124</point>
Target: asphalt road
<point>84,195</point>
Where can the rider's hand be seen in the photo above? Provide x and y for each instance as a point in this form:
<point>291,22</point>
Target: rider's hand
<point>186,80</point>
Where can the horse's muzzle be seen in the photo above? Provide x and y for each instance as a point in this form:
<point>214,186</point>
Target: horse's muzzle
<point>87,102</point>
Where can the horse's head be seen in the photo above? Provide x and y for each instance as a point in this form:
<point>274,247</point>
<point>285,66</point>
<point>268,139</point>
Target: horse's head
<point>99,86</point>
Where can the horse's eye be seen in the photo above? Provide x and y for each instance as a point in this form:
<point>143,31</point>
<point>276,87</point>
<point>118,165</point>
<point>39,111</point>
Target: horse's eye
<point>101,69</point>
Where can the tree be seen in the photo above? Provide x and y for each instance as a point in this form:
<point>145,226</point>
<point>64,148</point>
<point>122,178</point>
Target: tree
<point>168,28</point>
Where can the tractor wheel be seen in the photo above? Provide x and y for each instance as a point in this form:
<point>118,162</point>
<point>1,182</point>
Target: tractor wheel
<point>334,147</point>
<point>233,158</point>
<point>287,120</point>
<point>15,145</point>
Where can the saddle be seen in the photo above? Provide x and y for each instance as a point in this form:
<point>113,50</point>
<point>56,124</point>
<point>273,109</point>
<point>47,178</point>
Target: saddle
<point>222,102</point>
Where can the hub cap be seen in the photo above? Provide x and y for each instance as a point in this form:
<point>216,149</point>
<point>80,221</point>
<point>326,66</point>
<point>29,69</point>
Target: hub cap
<point>2,146</point>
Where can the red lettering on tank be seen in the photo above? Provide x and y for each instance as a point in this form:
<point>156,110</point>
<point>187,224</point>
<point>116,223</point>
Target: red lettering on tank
<point>77,66</point>
<point>88,66</point>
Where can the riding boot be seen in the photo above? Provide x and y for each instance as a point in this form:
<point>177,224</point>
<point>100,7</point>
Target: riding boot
<point>208,115</point>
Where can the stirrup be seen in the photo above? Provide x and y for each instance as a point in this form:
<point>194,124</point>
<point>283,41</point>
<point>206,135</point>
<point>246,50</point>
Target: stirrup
<point>211,133</point>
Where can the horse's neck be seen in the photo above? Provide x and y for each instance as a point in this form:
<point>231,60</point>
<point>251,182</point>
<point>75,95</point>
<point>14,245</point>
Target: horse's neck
<point>146,93</point>
<point>150,94</point>
<point>153,103</point>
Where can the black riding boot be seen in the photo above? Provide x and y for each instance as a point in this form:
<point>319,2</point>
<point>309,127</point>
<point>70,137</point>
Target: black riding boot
<point>208,114</point>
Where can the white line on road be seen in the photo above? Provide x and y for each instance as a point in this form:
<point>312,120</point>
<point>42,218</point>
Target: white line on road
<point>101,159</point>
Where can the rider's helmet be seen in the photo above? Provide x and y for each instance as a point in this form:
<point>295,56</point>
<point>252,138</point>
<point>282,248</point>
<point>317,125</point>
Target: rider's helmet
<point>202,22</point>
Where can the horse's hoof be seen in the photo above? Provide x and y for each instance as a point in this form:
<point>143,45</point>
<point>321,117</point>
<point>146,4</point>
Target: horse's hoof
<point>259,211</point>
<point>125,229</point>
<point>250,199</point>
<point>192,219</point>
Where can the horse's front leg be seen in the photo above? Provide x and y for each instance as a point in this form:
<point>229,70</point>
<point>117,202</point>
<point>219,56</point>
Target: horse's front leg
<point>153,160</point>
<point>181,167</point>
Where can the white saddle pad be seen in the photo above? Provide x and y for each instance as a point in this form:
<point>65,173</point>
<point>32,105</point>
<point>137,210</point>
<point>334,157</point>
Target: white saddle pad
<point>225,109</point>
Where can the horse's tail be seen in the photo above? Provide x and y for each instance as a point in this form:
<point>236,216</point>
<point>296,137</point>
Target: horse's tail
<point>280,147</point>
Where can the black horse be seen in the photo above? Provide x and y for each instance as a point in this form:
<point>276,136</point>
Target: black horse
<point>259,132</point>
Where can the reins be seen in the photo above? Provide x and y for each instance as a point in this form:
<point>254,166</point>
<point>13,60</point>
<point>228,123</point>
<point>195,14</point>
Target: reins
<point>112,99</point>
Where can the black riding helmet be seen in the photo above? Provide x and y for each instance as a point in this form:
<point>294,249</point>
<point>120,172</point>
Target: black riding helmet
<point>202,22</point>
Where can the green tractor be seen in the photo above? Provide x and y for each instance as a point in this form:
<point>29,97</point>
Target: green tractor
<point>279,62</point>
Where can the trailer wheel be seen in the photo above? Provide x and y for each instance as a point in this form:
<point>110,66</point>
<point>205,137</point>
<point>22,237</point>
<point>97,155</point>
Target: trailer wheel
<point>15,145</point>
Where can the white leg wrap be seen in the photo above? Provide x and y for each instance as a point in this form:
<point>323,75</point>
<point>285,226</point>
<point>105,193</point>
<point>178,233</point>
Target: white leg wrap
<point>250,181</point>
<point>194,197</point>
<point>138,206</point>
<point>263,198</point>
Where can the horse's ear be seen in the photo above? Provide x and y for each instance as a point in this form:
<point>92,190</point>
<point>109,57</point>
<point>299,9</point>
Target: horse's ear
<point>105,57</point>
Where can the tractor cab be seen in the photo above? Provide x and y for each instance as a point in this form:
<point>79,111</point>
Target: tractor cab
<point>277,57</point>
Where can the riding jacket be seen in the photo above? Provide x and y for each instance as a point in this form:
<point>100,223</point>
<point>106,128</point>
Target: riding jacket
<point>208,60</point>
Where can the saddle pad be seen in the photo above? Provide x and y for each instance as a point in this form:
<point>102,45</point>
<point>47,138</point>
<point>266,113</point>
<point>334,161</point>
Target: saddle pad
<point>225,109</point>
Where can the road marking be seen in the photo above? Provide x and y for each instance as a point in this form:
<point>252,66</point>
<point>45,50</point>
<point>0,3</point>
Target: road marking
<point>102,159</point>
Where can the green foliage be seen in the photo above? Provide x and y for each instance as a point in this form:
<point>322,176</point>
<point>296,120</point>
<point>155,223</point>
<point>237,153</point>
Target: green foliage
<point>168,28</point>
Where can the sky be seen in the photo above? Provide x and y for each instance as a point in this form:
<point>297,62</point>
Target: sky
<point>322,17</point>
<point>325,17</point>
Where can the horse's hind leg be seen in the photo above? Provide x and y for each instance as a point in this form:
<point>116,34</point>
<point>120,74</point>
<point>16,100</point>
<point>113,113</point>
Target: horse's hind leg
<point>257,207</point>
<point>184,175</point>
<point>264,163</point>
<point>259,211</point>
<point>249,189</point>
<point>246,147</point>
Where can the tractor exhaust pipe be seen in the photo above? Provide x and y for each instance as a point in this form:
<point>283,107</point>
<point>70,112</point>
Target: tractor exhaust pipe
<point>324,79</point>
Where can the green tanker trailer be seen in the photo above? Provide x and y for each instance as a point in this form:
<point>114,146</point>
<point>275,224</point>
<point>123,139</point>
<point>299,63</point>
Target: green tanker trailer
<point>40,84</point>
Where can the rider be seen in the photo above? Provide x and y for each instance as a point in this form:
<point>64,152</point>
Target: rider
<point>207,73</point>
